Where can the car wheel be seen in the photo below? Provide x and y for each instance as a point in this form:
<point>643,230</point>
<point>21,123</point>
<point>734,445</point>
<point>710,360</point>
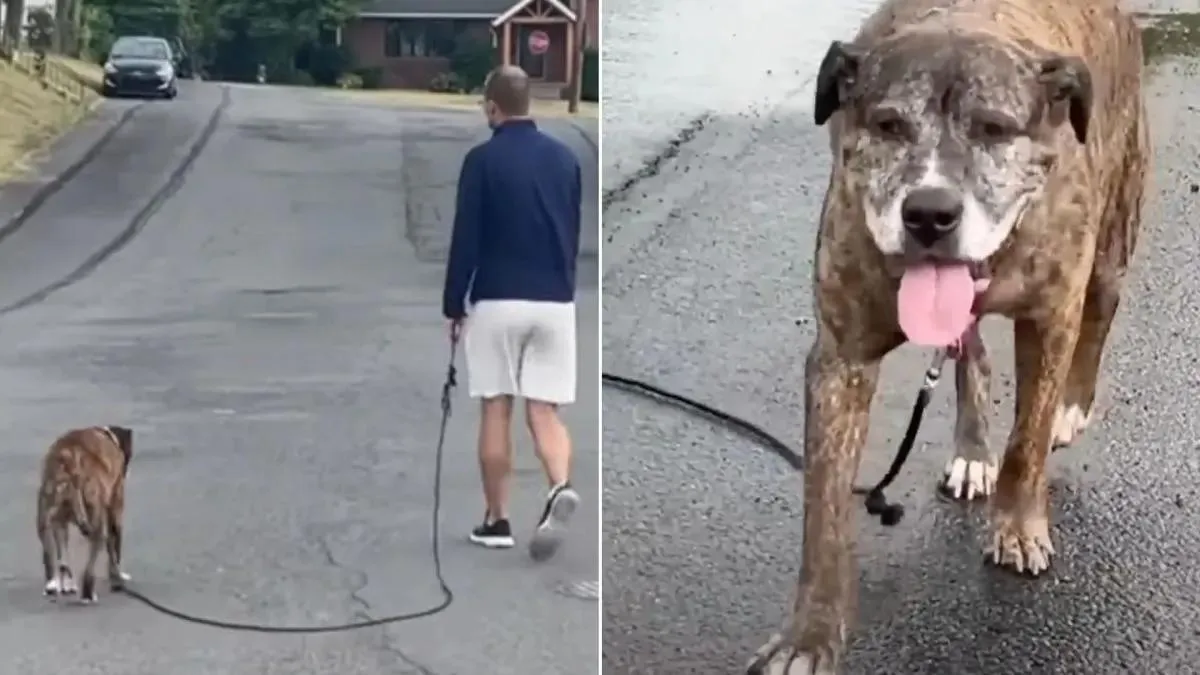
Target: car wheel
<point>171,93</point>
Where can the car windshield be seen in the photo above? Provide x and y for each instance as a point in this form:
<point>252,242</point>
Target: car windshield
<point>139,49</point>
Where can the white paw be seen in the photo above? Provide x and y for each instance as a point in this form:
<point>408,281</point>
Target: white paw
<point>1022,546</point>
<point>774,658</point>
<point>125,576</point>
<point>53,587</point>
<point>1069,423</point>
<point>67,586</point>
<point>968,479</point>
<point>89,600</point>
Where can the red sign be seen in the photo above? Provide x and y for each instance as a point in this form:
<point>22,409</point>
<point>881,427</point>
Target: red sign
<point>539,42</point>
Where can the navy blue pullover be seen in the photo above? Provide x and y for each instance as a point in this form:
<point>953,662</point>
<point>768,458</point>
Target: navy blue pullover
<point>516,226</point>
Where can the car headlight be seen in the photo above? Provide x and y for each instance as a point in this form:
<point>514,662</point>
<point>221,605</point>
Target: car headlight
<point>165,70</point>
<point>109,68</point>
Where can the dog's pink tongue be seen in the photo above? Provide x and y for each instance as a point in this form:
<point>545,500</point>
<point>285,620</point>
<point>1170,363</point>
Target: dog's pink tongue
<point>935,302</point>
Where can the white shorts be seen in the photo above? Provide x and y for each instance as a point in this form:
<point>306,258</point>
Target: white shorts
<point>521,348</point>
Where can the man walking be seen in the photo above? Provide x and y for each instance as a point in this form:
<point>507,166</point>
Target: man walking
<point>512,258</point>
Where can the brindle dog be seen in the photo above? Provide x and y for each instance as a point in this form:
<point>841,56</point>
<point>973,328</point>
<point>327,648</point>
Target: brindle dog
<point>83,483</point>
<point>977,144</point>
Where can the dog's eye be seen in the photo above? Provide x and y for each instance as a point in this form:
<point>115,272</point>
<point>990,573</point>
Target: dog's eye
<point>995,128</point>
<point>890,126</point>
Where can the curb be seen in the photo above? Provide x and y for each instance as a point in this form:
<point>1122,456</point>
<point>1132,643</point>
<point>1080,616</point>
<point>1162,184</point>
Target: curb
<point>587,137</point>
<point>46,191</point>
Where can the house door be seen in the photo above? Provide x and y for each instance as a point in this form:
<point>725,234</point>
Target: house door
<point>533,64</point>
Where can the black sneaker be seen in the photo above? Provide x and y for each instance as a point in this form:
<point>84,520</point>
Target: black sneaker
<point>493,535</point>
<point>560,506</point>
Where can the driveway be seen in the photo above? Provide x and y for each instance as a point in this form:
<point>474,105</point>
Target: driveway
<point>272,332</point>
<point>707,292</point>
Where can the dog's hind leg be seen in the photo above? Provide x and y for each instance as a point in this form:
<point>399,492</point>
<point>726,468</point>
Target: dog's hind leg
<point>49,555</point>
<point>96,540</point>
<point>62,539</point>
<point>1120,226</point>
<point>971,471</point>
<point>1075,412</point>
<point>116,574</point>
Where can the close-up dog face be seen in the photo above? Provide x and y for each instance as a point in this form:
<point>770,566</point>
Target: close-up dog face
<point>949,137</point>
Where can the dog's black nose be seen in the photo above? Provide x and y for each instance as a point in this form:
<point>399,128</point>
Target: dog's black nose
<point>930,213</point>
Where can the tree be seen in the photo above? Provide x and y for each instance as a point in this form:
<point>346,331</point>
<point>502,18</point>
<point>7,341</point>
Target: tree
<point>233,36</point>
<point>39,29</point>
<point>273,31</point>
<point>11,38</point>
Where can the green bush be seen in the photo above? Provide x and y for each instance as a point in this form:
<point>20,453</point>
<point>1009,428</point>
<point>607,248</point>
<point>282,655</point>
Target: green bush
<point>349,81</point>
<point>371,78</point>
<point>326,63</point>
<point>446,83</point>
<point>471,62</point>
<point>591,75</point>
<point>301,78</point>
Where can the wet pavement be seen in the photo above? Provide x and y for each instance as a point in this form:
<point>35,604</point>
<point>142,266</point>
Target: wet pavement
<point>272,333</point>
<point>706,279</point>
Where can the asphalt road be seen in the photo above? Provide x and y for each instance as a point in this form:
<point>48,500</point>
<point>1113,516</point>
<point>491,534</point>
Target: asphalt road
<point>272,332</point>
<point>706,282</point>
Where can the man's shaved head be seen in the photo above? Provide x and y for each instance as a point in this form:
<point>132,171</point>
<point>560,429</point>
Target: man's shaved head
<point>508,88</point>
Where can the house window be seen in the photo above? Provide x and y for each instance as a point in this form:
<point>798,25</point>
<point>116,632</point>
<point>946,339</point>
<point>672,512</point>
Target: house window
<point>423,38</point>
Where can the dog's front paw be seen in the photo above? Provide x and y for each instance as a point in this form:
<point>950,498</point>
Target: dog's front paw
<point>52,588</point>
<point>117,581</point>
<point>1020,544</point>
<point>968,477</point>
<point>1070,421</point>
<point>779,657</point>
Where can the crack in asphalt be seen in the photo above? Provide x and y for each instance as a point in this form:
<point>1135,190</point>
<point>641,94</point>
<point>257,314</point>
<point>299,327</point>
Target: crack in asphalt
<point>364,613</point>
<point>654,165</point>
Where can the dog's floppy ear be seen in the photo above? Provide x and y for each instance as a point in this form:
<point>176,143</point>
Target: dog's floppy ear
<point>124,436</point>
<point>834,77</point>
<point>1067,78</point>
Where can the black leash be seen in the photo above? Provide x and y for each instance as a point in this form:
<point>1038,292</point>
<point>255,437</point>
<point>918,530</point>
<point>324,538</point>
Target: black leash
<point>877,504</point>
<point>447,595</point>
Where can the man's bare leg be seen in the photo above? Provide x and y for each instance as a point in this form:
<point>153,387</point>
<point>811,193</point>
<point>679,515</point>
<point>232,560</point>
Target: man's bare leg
<point>495,454</point>
<point>552,442</point>
<point>495,467</point>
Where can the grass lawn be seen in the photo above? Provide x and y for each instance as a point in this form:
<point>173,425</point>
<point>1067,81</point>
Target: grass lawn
<point>33,115</point>
<point>428,99</point>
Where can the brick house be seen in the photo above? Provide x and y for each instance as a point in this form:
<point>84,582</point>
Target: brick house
<point>411,41</point>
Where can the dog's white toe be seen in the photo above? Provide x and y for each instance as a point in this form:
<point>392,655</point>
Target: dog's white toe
<point>53,587</point>
<point>773,658</point>
<point>1069,423</point>
<point>125,576</point>
<point>68,586</point>
<point>968,479</point>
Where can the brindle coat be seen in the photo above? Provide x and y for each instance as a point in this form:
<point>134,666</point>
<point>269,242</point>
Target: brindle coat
<point>1072,70</point>
<point>83,483</point>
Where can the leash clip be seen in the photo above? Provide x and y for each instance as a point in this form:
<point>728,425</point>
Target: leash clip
<point>876,502</point>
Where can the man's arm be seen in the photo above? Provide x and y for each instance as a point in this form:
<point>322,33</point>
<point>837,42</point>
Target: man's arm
<point>465,239</point>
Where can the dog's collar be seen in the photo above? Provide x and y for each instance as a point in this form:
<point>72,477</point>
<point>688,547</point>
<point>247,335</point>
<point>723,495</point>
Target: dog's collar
<point>107,431</point>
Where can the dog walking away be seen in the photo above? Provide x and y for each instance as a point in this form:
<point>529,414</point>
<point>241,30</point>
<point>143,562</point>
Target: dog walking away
<point>83,483</point>
<point>989,157</point>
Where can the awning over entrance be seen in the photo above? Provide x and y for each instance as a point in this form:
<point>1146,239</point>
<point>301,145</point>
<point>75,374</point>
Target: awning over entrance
<point>536,8</point>
<point>540,37</point>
